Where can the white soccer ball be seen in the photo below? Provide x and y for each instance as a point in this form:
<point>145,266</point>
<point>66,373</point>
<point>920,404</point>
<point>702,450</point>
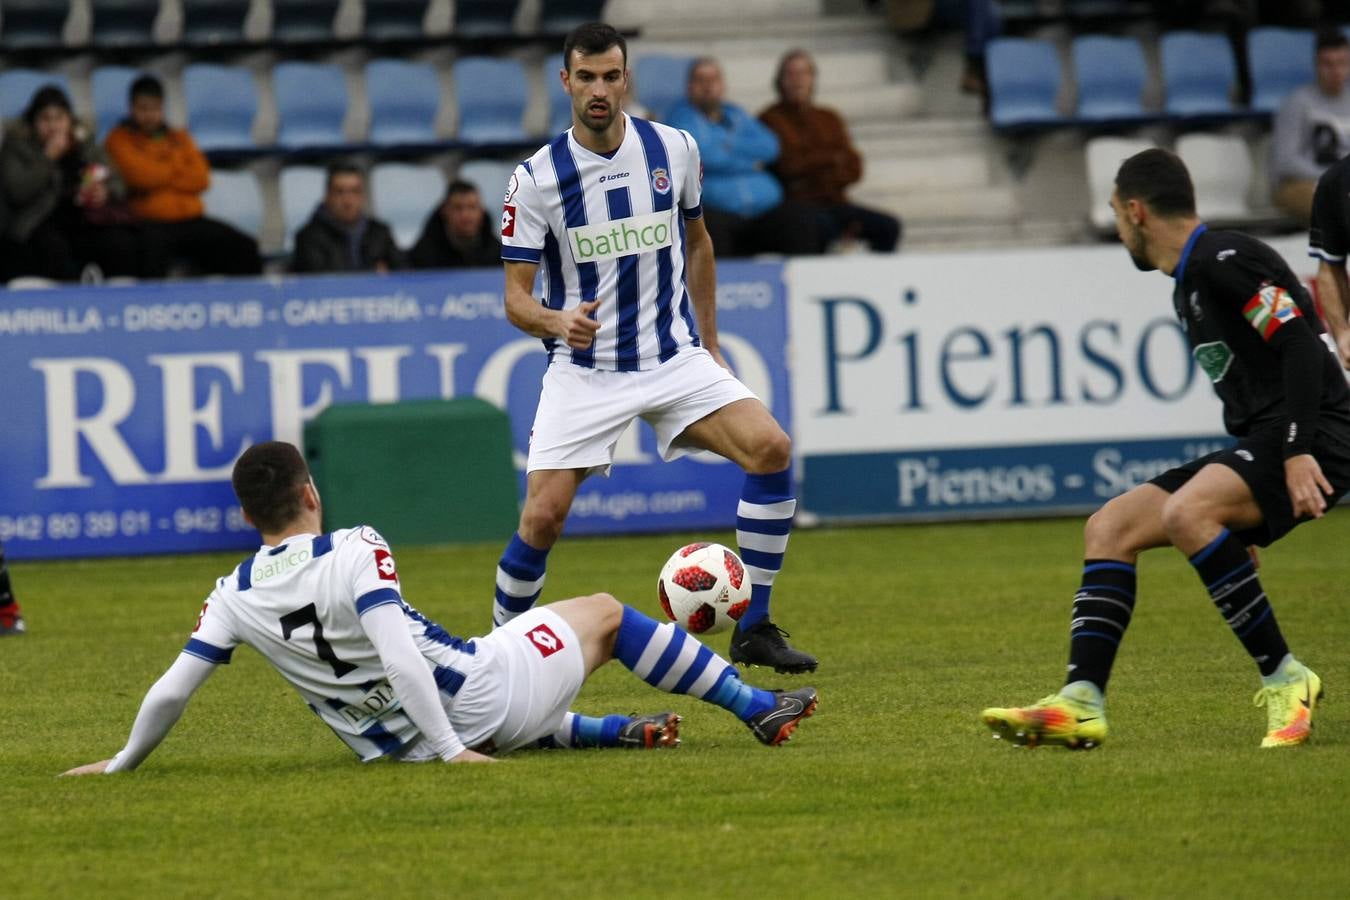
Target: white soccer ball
<point>703,588</point>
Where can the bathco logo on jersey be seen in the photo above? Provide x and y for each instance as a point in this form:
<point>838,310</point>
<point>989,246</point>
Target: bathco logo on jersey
<point>622,237</point>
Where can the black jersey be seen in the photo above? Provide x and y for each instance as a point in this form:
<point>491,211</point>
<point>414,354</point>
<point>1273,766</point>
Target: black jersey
<point>1329,236</point>
<point>1254,331</point>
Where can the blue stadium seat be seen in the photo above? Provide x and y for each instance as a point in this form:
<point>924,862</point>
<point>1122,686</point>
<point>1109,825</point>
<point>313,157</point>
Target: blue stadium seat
<point>123,23</point>
<point>17,87</point>
<point>491,93</point>
<point>490,177</point>
<point>214,21</point>
<point>110,85</point>
<point>389,20</point>
<point>221,102</point>
<point>1198,74</point>
<point>561,16</point>
<point>301,190</point>
<point>1279,59</point>
<point>301,21</point>
<point>236,198</point>
<point>1024,78</point>
<point>403,195</point>
<point>404,97</point>
<point>559,104</point>
<point>32,23</point>
<point>311,104</point>
<point>484,18</point>
<point>1111,74</point>
<point>660,82</point>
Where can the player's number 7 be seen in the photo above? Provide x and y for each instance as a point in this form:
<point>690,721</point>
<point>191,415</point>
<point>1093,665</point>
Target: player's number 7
<point>308,615</point>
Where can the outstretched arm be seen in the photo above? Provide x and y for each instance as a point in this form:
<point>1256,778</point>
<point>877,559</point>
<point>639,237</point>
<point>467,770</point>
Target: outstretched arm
<point>387,628</point>
<point>163,704</point>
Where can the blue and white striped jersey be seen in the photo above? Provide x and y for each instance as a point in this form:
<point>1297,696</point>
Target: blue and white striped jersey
<point>611,228</point>
<point>300,606</point>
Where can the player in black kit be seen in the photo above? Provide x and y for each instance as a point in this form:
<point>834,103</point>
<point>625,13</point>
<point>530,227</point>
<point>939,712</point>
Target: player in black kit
<point>11,617</point>
<point>1329,241</point>
<point>1253,330</point>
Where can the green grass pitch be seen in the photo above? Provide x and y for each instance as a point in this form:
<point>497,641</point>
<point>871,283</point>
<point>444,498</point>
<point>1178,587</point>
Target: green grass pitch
<point>894,788</point>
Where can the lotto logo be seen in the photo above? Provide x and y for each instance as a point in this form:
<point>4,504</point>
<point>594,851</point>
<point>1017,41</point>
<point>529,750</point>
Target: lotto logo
<point>544,640</point>
<point>508,221</point>
<point>384,566</point>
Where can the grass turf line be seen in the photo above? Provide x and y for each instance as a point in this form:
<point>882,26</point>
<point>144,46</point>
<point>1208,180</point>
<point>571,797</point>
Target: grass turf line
<point>893,788</point>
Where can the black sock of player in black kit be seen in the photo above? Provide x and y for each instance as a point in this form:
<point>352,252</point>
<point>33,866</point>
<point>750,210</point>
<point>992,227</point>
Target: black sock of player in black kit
<point>1101,612</point>
<point>6,592</point>
<point>1229,575</point>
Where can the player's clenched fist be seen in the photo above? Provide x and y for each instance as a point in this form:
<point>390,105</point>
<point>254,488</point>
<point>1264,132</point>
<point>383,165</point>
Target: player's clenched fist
<point>578,328</point>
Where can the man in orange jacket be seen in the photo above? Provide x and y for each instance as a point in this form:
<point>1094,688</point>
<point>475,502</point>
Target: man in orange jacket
<point>166,174</point>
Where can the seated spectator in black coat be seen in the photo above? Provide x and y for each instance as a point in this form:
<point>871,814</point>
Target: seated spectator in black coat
<point>65,202</point>
<point>341,236</point>
<point>458,233</point>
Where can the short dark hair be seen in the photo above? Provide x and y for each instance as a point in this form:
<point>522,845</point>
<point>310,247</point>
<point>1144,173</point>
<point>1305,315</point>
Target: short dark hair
<point>1157,178</point>
<point>146,86</point>
<point>43,97</point>
<point>1329,37</point>
<point>268,480</point>
<point>460,186</point>
<point>341,167</point>
<point>590,39</point>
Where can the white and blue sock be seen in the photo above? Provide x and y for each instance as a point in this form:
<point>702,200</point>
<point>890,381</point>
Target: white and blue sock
<point>520,579</point>
<point>669,658</point>
<point>763,522</point>
<point>579,732</point>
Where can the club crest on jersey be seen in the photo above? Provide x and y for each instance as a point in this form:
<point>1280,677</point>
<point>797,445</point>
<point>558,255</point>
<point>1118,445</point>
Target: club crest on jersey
<point>511,187</point>
<point>661,181</point>
<point>384,566</point>
<point>544,640</point>
<point>508,221</point>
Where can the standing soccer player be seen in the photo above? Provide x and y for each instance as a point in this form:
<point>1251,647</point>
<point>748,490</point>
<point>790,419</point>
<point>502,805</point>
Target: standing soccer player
<point>1253,330</point>
<point>327,611</point>
<point>611,209</point>
<point>1329,241</point>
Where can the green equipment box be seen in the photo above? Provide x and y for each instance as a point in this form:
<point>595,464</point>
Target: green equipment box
<point>419,472</point>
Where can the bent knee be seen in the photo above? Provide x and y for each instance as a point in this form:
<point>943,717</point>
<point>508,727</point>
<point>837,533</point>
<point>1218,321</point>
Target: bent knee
<point>1109,531</point>
<point>606,606</point>
<point>773,455</point>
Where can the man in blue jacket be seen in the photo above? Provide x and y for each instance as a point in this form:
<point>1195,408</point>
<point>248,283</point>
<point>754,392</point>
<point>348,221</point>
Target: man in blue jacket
<point>742,201</point>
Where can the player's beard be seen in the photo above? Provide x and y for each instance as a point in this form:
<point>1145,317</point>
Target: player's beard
<point>1138,254</point>
<point>599,126</point>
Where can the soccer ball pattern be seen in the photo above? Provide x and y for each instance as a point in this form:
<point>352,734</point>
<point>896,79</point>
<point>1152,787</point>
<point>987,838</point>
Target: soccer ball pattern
<point>703,588</point>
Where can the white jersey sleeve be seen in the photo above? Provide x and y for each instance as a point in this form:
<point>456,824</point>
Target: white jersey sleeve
<point>524,226</point>
<point>691,190</point>
<point>214,638</point>
<point>370,569</point>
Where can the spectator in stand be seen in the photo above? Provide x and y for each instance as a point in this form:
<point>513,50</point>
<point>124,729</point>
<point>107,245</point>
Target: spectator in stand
<point>65,203</point>
<point>1312,127</point>
<point>817,160</point>
<point>743,202</point>
<point>341,236</point>
<point>166,175</point>
<point>458,233</point>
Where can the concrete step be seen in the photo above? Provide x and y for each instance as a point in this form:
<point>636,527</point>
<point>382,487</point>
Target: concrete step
<point>991,203</point>
<point>969,170</point>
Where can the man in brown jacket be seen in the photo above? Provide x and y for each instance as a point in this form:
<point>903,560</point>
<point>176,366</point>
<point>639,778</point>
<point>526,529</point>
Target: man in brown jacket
<point>166,175</point>
<point>817,160</point>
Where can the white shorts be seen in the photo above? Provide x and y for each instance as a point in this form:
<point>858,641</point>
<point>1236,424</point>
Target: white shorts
<point>525,676</point>
<point>583,412</point>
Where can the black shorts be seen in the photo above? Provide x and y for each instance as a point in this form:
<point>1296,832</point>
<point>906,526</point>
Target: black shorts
<point>1259,461</point>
